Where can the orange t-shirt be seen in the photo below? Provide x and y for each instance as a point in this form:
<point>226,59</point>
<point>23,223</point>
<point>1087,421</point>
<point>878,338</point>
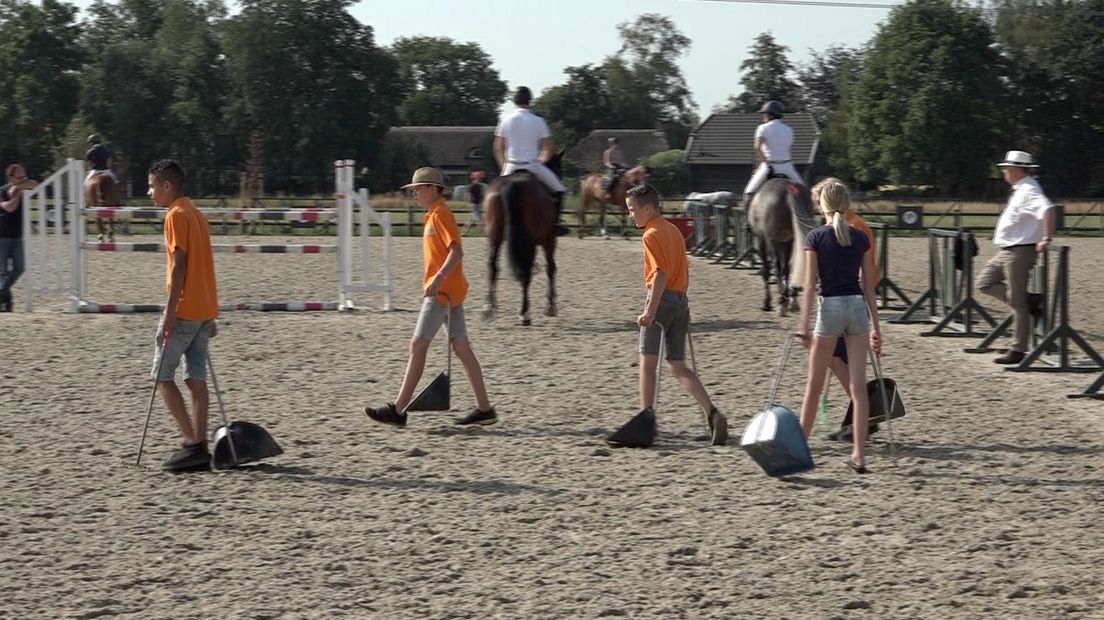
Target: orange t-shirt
<point>856,222</point>
<point>186,229</point>
<point>438,235</point>
<point>665,250</point>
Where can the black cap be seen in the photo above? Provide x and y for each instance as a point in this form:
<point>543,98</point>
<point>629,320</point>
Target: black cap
<point>523,96</point>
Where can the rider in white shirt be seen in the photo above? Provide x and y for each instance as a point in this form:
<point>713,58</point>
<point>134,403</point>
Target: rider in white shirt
<point>523,142</point>
<point>773,140</point>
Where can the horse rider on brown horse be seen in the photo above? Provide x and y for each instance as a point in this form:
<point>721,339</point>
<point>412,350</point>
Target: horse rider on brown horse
<point>614,161</point>
<point>523,142</point>
<point>99,159</point>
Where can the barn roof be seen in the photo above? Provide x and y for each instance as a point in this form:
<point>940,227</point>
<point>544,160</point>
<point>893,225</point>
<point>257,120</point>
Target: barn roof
<point>726,138</point>
<point>636,144</point>
<point>448,147</point>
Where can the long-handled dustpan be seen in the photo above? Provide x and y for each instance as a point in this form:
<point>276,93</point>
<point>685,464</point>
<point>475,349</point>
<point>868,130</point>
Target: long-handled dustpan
<point>640,431</point>
<point>236,443</point>
<point>437,395</point>
<point>882,394</point>
<point>773,438</point>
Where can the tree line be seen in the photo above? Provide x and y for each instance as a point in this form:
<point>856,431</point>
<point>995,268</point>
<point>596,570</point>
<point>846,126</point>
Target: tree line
<point>284,87</point>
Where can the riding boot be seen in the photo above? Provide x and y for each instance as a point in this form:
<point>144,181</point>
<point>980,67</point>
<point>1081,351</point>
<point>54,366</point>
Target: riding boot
<point>560,229</point>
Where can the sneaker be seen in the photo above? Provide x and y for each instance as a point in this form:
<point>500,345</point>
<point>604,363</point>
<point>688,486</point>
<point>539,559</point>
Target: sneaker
<point>195,457</point>
<point>718,427</point>
<point>560,230</point>
<point>844,434</point>
<point>387,414</point>
<point>482,418</point>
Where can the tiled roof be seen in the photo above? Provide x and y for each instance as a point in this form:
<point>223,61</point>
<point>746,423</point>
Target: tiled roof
<point>449,147</point>
<point>726,138</point>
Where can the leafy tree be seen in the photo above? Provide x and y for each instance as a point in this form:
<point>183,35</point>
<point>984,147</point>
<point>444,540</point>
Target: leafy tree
<point>650,48</point>
<point>447,83</point>
<point>765,77</point>
<point>670,174</point>
<point>308,86</point>
<point>40,58</point>
<point>575,108</point>
<point>923,110</point>
<point>823,78</point>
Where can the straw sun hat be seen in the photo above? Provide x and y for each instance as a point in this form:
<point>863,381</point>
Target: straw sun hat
<point>427,176</point>
<point>1021,159</point>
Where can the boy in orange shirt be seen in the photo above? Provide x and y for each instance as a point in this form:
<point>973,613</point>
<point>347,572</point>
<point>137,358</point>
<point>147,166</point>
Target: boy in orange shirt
<point>444,286</point>
<point>189,317</point>
<point>666,277</point>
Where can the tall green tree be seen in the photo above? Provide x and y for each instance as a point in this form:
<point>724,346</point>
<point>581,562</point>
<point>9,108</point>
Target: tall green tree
<point>924,109</point>
<point>578,106</point>
<point>155,85</point>
<point>823,78</point>
<point>447,83</point>
<point>1055,51</point>
<point>651,46</point>
<point>309,85</point>
<point>766,76</point>
<point>40,59</point>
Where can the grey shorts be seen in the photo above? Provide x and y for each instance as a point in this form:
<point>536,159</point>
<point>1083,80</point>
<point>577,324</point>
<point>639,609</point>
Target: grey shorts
<point>673,313</point>
<point>840,316</point>
<point>476,210</point>
<point>188,341</point>
<point>432,317</point>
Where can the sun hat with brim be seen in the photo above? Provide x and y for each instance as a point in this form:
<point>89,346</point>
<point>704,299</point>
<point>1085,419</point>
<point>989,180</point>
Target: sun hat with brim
<point>427,176</point>
<point>1021,159</point>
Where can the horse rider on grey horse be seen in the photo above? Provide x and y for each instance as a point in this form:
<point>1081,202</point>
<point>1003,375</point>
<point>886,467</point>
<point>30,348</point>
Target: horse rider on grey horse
<point>773,140</point>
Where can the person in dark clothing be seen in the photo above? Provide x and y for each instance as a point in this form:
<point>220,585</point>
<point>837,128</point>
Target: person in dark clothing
<point>11,231</point>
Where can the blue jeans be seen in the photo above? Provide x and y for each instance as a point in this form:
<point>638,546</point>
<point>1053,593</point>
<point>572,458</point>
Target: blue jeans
<point>11,253</point>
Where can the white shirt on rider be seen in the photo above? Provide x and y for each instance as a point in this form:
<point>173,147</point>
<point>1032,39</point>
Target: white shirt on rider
<point>777,140</point>
<point>523,132</point>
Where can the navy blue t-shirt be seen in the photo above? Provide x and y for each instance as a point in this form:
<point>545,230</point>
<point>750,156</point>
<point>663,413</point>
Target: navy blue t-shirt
<point>99,156</point>
<point>11,224</point>
<point>837,266</point>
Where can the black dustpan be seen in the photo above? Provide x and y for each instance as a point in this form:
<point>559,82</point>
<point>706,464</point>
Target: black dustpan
<point>238,442</point>
<point>437,395</point>
<point>639,432</point>
<point>877,403</point>
<point>245,442</point>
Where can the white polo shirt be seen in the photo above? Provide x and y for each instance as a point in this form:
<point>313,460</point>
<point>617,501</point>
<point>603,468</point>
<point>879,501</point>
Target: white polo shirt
<point>523,132</point>
<point>1021,222</point>
<point>777,140</point>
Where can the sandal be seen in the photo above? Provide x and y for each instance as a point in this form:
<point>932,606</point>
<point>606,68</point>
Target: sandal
<point>858,468</point>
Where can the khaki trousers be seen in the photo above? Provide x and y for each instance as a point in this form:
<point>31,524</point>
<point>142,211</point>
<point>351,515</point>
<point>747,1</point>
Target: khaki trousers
<point>1014,265</point>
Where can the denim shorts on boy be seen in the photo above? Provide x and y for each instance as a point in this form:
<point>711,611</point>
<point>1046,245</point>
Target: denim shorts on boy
<point>432,317</point>
<point>673,313</point>
<point>189,341</point>
<point>843,315</point>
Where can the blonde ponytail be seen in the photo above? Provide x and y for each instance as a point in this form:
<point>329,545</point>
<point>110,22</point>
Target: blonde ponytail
<point>835,200</point>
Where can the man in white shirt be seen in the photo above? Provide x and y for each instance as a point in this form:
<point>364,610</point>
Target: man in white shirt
<point>773,140</point>
<point>1024,229</point>
<point>523,142</point>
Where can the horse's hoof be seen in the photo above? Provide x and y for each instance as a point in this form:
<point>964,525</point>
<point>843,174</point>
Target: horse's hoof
<point>766,307</point>
<point>524,321</point>
<point>550,311</point>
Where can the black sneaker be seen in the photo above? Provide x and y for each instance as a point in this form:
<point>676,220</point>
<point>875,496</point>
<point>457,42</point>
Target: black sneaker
<point>845,433</point>
<point>387,414</point>
<point>718,427</point>
<point>560,230</point>
<point>195,457</point>
<point>482,418</point>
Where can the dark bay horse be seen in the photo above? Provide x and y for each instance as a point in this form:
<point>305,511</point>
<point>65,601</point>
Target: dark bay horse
<point>100,191</point>
<point>590,190</point>
<point>519,209</point>
<point>780,214</point>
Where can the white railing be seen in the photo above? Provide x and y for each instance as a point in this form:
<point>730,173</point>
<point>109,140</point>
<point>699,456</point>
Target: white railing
<point>348,199</point>
<point>63,191</point>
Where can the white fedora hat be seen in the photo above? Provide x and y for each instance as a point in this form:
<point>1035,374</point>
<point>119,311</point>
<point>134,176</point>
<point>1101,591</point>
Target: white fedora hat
<point>1022,159</point>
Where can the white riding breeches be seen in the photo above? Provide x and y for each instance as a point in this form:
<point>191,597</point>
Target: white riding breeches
<point>539,170</point>
<point>761,172</point>
<point>110,173</point>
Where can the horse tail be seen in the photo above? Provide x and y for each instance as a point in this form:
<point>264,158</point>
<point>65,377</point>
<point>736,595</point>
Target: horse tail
<point>797,253</point>
<point>519,246</point>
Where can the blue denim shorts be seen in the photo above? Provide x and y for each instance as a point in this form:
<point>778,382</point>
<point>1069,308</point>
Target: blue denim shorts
<point>188,341</point>
<point>839,316</point>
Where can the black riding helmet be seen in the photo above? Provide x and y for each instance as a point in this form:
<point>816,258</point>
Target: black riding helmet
<point>774,108</point>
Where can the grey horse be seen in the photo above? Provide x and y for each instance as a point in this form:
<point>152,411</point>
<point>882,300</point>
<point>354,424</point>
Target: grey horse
<point>780,214</point>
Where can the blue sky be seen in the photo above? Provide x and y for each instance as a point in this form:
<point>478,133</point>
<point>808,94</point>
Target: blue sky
<point>532,42</point>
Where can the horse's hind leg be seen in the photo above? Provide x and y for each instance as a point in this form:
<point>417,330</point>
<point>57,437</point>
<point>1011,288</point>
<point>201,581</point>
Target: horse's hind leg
<point>491,302</point>
<point>523,316</point>
<point>764,257</point>
<point>550,270</point>
<point>782,268</point>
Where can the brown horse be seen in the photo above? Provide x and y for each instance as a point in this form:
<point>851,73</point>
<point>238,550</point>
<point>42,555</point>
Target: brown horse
<point>590,189</point>
<point>100,191</point>
<point>519,209</point>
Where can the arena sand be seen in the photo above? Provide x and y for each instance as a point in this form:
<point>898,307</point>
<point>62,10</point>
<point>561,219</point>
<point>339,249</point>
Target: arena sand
<point>991,510</point>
